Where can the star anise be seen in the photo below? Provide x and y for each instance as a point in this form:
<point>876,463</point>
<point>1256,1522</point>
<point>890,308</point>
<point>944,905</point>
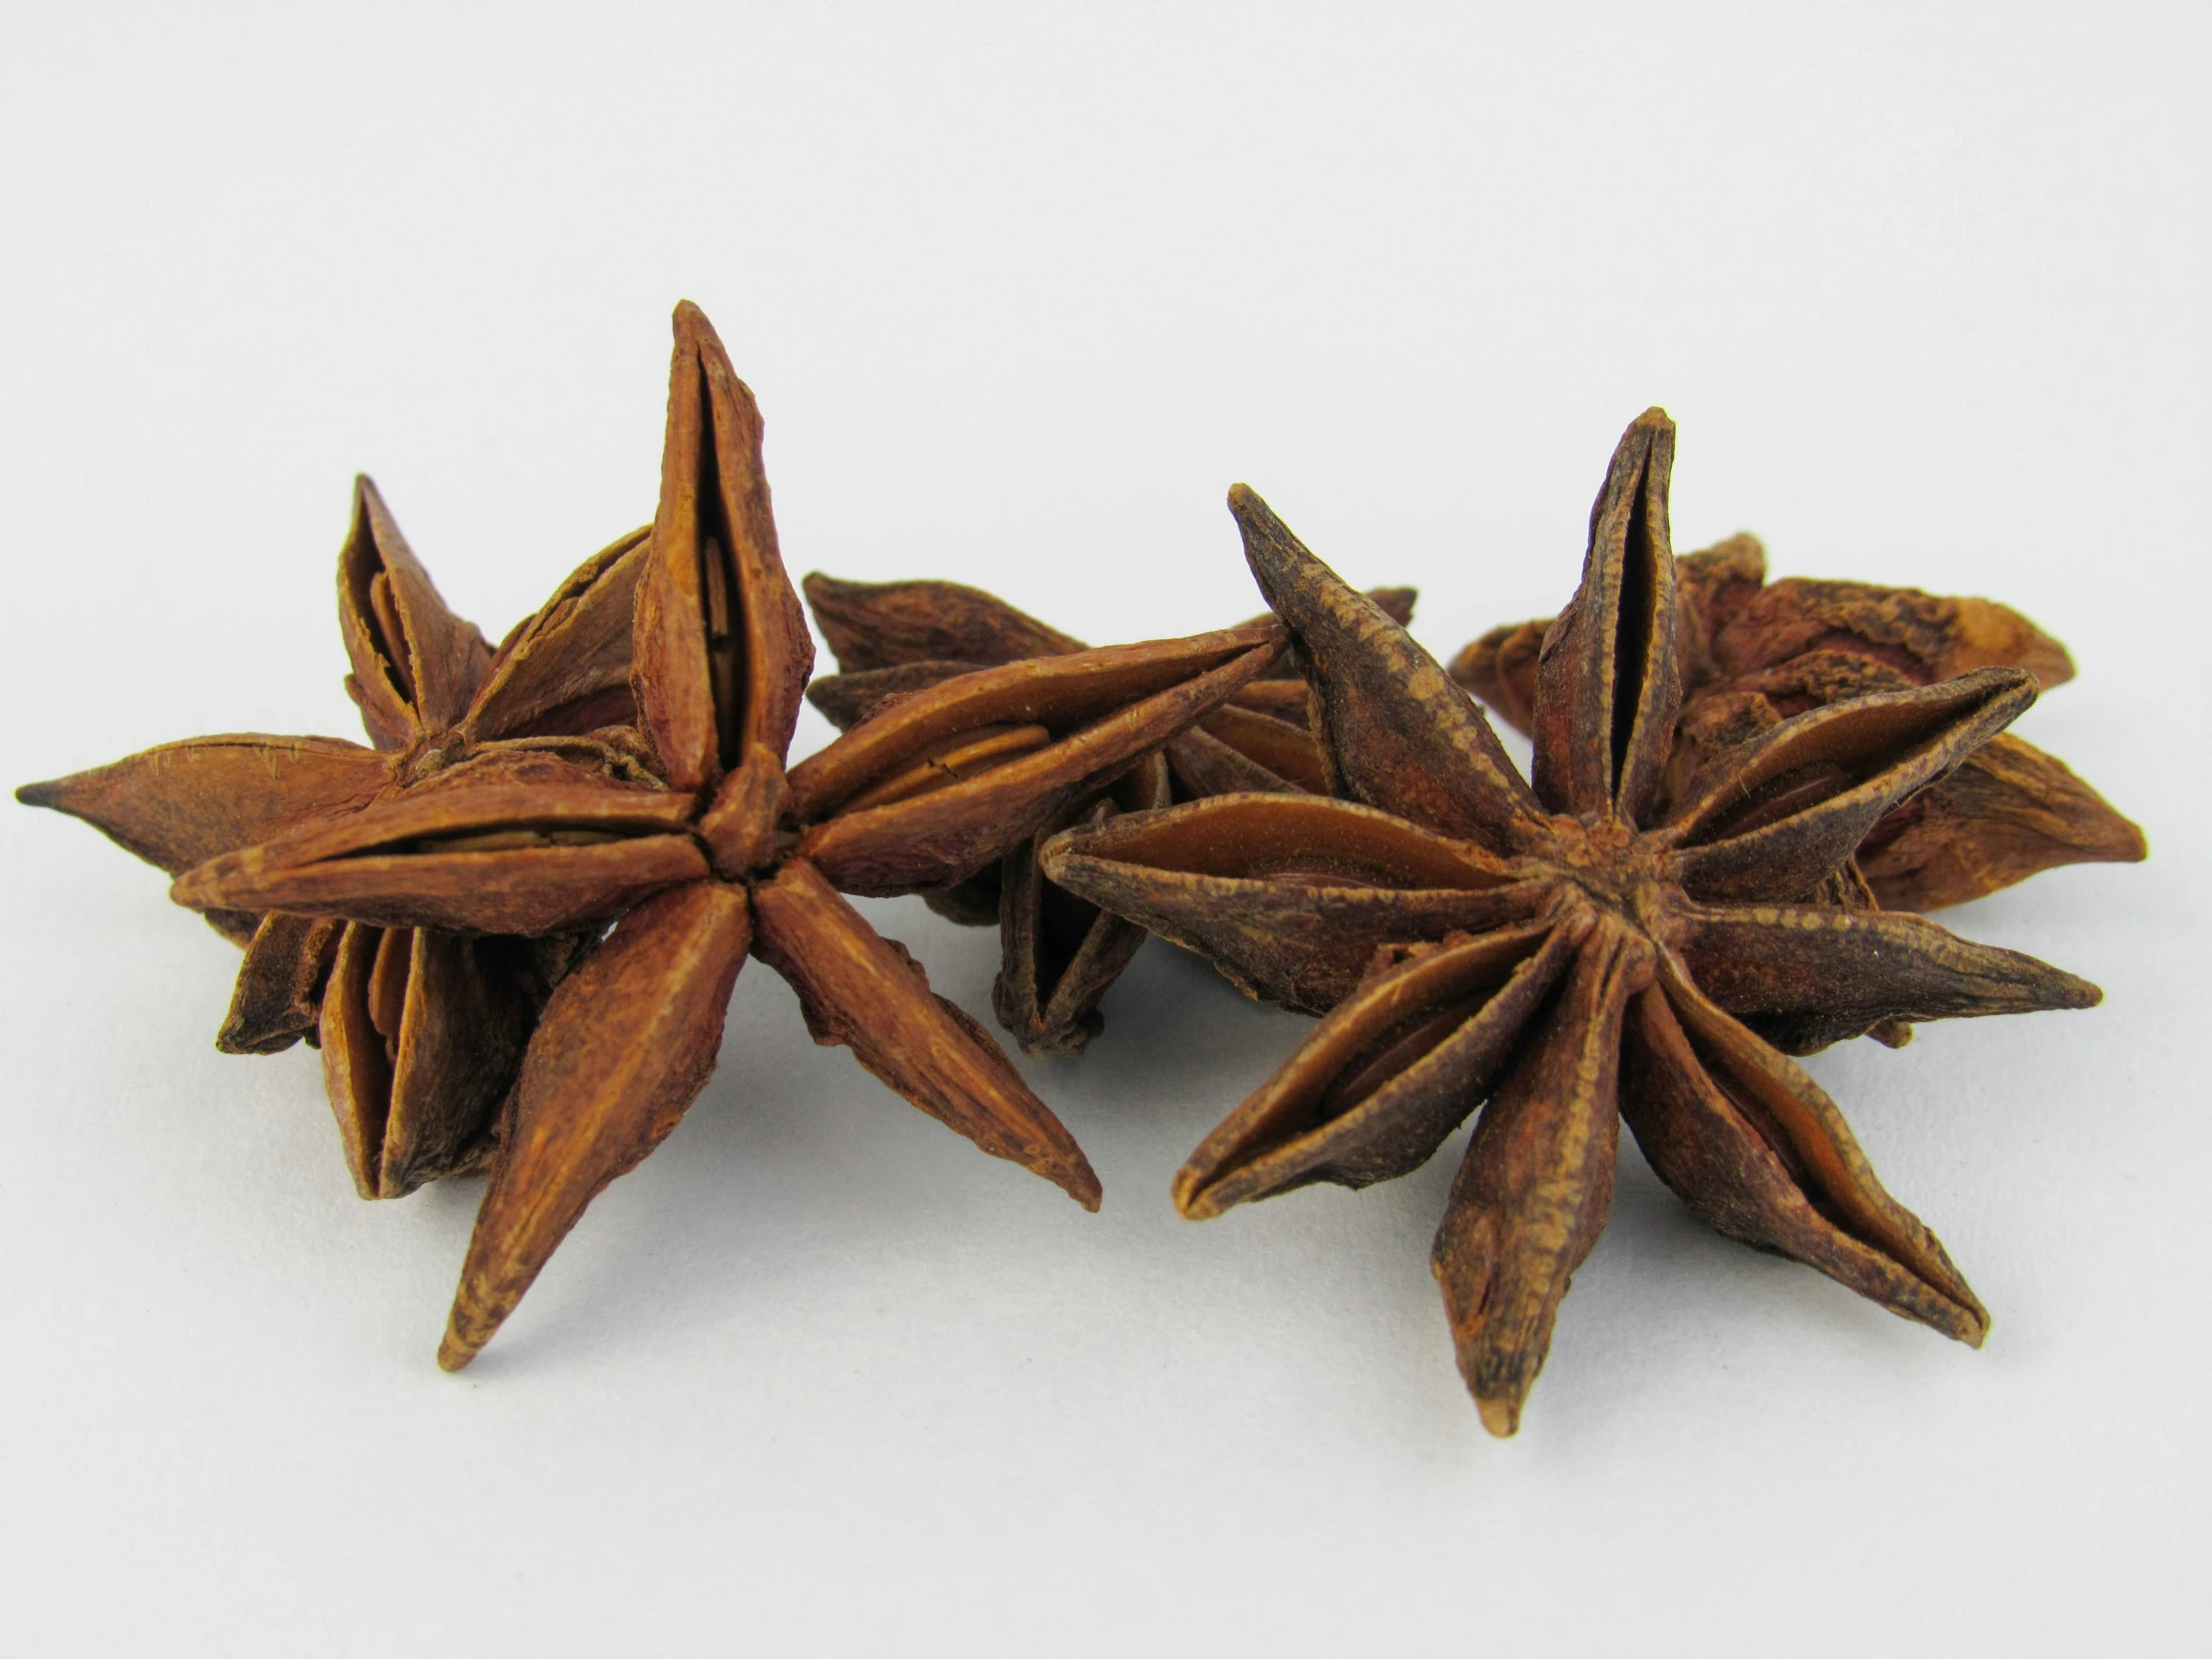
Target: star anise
<point>735,856</point>
<point>1058,954</point>
<point>894,637</point>
<point>1756,652</point>
<point>1561,951</point>
<point>421,1029</point>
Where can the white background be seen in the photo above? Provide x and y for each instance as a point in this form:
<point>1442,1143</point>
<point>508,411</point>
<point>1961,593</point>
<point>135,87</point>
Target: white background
<point>1021,291</point>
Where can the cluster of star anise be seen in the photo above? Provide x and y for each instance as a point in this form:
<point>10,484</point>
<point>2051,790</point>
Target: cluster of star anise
<point>513,925</point>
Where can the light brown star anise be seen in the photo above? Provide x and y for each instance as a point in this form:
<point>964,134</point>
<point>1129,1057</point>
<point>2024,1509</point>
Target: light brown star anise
<point>421,1029</point>
<point>1058,954</point>
<point>1756,652</point>
<point>735,856</point>
<point>1561,951</point>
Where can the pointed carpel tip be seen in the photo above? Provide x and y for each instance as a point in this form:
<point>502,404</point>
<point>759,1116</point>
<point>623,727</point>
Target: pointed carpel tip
<point>1500,1416</point>
<point>368,500</point>
<point>1253,514</point>
<point>1193,1199</point>
<point>1052,858</point>
<point>1079,1181</point>
<point>195,890</point>
<point>694,332</point>
<point>44,793</point>
<point>1654,419</point>
<point>455,1354</point>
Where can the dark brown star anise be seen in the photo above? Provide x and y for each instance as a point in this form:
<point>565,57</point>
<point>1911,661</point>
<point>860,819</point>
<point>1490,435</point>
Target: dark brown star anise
<point>1756,652</point>
<point>1562,952</point>
<point>421,1029</point>
<point>1058,954</point>
<point>735,857</point>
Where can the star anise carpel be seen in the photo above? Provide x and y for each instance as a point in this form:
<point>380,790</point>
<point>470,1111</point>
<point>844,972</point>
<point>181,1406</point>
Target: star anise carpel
<point>1059,955</point>
<point>890,638</point>
<point>728,854</point>
<point>420,1029</point>
<point>1560,952</point>
<point>1756,652</point>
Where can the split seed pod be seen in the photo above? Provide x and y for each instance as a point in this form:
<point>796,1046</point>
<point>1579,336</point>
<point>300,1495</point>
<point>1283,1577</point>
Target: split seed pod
<point>737,856</point>
<point>421,1030</point>
<point>1060,954</point>
<point>1756,652</point>
<point>1563,954</point>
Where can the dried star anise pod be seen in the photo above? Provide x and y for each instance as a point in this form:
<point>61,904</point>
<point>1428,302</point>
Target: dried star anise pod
<point>890,638</point>
<point>1756,652</point>
<point>1058,954</point>
<point>1560,954</point>
<point>421,1030</point>
<point>735,856</point>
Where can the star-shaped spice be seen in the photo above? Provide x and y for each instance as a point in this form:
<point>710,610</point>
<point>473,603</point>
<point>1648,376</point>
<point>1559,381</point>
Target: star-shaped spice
<point>421,1029</point>
<point>1756,652</point>
<point>1561,951</point>
<point>1058,954</point>
<point>735,856</point>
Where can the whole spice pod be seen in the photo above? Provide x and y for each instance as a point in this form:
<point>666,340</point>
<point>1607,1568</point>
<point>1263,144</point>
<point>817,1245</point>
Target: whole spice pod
<point>421,1029</point>
<point>1756,653</point>
<point>1562,952</point>
<point>1059,955</point>
<point>731,852</point>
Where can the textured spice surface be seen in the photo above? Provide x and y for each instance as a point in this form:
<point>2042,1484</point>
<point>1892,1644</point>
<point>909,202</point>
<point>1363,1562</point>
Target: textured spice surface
<point>1755,653</point>
<point>735,855</point>
<point>1058,953</point>
<point>1561,950</point>
<point>421,1030</point>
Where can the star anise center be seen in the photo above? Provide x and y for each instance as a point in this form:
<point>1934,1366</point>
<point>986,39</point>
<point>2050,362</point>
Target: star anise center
<point>1618,869</point>
<point>435,751</point>
<point>1562,952</point>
